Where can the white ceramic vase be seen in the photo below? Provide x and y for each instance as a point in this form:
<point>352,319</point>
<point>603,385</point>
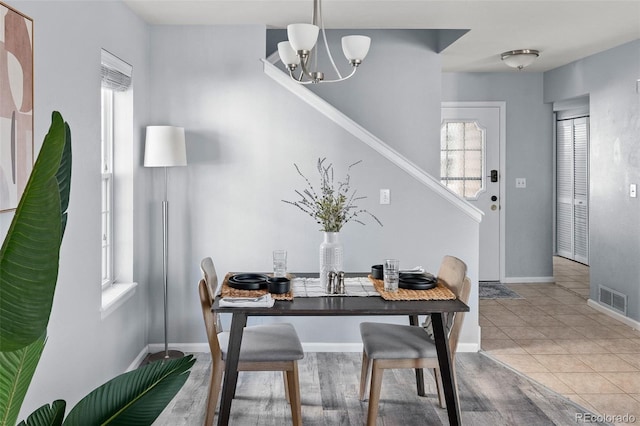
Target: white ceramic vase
<point>330,256</point>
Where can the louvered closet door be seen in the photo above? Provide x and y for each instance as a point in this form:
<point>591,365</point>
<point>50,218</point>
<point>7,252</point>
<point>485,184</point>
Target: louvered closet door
<point>581,189</point>
<point>564,188</point>
<point>572,189</point>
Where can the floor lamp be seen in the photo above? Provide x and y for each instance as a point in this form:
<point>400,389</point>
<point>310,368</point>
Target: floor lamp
<point>165,147</point>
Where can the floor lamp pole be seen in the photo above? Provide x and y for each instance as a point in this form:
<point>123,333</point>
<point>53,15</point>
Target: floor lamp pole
<point>166,354</point>
<point>165,240</point>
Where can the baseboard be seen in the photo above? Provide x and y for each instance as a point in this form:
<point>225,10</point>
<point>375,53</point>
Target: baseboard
<point>183,347</point>
<point>141,356</point>
<point>331,347</point>
<point>468,347</point>
<point>528,280</point>
<point>159,347</point>
<point>613,314</point>
<point>307,346</point>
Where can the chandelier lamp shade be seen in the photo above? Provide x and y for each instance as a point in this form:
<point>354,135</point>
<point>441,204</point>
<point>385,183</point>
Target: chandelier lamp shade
<point>301,50</point>
<point>519,59</point>
<point>165,147</point>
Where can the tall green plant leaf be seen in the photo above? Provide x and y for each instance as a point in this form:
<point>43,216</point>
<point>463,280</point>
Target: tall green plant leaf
<point>16,372</point>
<point>30,252</point>
<point>134,398</point>
<point>47,415</point>
<point>63,177</point>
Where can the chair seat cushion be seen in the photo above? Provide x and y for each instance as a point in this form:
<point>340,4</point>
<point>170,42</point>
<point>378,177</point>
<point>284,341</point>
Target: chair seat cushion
<point>271,342</point>
<point>396,341</point>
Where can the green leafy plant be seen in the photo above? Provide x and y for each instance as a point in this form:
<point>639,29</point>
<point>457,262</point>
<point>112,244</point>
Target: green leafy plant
<point>334,205</point>
<point>29,260</point>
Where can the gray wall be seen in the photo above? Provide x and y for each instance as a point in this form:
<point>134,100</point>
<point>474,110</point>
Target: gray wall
<point>401,108</point>
<point>609,78</point>
<point>244,133</point>
<point>82,350</point>
<point>529,154</point>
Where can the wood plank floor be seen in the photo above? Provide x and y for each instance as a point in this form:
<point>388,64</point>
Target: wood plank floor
<point>490,394</point>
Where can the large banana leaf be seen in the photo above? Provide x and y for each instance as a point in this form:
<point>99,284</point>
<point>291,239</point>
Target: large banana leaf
<point>134,398</point>
<point>47,415</point>
<point>16,372</point>
<point>28,273</point>
<point>30,252</point>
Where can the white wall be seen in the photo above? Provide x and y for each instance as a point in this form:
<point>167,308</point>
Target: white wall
<point>402,108</point>
<point>82,350</point>
<point>244,132</point>
<point>529,154</point>
<point>610,80</point>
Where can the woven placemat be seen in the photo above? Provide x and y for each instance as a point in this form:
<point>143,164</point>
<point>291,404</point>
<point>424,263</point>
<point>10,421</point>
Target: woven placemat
<point>441,292</point>
<point>227,291</point>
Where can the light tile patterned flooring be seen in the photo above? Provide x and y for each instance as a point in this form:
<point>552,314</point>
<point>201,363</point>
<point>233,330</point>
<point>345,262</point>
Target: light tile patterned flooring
<point>552,336</point>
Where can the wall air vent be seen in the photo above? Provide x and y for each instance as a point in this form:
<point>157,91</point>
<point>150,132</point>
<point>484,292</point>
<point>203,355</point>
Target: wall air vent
<point>613,299</point>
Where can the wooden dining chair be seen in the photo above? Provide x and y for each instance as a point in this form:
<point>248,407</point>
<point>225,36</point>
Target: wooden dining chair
<point>272,347</point>
<point>395,346</point>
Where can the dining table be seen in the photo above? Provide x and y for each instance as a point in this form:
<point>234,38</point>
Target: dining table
<point>321,306</point>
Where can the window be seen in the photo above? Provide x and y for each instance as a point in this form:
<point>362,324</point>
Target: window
<point>107,186</point>
<point>116,168</point>
<point>462,146</point>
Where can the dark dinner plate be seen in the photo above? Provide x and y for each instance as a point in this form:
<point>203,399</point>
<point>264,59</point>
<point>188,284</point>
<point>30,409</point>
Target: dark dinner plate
<point>424,276</point>
<point>417,281</point>
<point>247,281</point>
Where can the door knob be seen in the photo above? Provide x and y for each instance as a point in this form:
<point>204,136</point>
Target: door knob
<point>494,198</point>
<point>494,207</point>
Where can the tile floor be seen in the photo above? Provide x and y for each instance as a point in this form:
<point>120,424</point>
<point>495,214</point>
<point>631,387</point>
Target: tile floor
<point>552,336</point>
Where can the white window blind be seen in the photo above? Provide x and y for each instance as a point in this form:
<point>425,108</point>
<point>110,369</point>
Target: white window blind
<point>116,74</point>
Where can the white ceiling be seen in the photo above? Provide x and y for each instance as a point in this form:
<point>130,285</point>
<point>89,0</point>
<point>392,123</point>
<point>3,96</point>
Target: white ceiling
<point>563,30</point>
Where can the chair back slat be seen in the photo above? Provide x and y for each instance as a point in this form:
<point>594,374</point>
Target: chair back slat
<point>210,276</point>
<point>458,318</point>
<point>452,272</point>
<point>209,321</point>
<point>211,280</point>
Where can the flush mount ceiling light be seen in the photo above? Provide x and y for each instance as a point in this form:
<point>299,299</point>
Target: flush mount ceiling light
<point>519,58</point>
<point>301,49</point>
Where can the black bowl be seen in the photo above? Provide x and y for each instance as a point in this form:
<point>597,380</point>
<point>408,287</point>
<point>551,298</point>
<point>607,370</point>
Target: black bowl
<point>278,285</point>
<point>247,281</point>
<point>377,272</point>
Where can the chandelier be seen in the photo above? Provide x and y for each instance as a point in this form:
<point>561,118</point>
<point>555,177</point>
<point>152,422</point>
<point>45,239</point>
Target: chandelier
<point>299,50</point>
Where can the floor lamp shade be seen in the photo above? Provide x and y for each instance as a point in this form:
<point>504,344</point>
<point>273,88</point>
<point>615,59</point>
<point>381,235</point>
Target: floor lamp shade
<point>165,147</point>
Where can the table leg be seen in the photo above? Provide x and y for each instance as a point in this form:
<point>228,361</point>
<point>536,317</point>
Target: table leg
<point>238,322</point>
<point>413,320</point>
<point>446,369</point>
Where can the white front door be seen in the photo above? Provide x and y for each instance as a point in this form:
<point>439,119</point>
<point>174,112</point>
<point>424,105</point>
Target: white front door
<point>471,166</point>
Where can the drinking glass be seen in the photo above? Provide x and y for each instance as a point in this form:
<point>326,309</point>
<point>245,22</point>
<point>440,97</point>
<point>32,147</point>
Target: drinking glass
<point>279,263</point>
<point>391,274</point>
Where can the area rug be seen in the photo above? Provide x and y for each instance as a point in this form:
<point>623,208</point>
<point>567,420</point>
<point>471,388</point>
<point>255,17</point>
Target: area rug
<point>496,290</point>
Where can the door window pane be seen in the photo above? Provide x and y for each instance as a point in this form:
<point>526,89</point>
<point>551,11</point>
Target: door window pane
<point>462,155</point>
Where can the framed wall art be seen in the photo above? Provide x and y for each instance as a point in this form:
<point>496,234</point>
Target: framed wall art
<point>16,105</point>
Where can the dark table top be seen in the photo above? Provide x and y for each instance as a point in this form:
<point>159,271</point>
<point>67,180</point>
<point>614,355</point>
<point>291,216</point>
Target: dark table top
<point>347,306</point>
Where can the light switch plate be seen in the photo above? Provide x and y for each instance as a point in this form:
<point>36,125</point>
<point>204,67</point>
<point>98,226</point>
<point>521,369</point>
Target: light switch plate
<point>632,190</point>
<point>385,196</point>
<point>521,182</point>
